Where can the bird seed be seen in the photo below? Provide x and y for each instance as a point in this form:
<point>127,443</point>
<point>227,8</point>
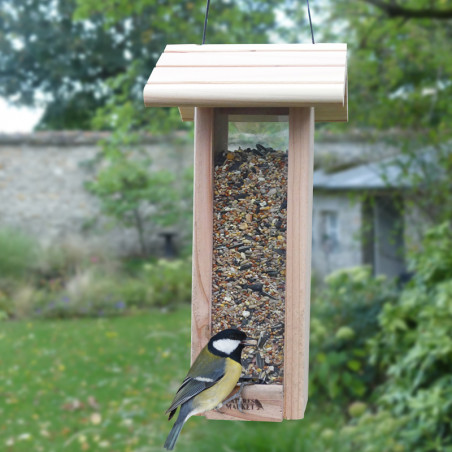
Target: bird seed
<point>249,255</point>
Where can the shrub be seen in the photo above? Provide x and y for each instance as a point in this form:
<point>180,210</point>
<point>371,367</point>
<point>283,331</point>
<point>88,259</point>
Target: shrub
<point>91,293</point>
<point>414,349</point>
<point>55,264</point>
<point>17,252</point>
<point>344,316</point>
<point>170,281</point>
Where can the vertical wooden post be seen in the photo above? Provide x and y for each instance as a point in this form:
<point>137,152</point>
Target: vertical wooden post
<point>202,229</point>
<point>221,132</point>
<point>298,263</point>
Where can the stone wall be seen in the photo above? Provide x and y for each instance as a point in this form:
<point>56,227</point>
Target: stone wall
<point>42,178</point>
<point>42,192</point>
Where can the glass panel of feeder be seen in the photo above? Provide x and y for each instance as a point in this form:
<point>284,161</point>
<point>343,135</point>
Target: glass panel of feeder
<point>249,242</point>
<point>270,134</point>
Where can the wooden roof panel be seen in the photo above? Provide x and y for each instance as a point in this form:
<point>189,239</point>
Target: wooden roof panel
<point>245,75</point>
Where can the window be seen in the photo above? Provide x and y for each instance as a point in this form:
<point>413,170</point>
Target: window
<point>329,230</point>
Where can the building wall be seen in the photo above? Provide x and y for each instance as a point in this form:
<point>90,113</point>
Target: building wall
<point>336,229</point>
<point>42,192</point>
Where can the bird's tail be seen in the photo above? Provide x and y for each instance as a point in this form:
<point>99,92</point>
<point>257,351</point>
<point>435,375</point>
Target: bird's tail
<point>184,414</point>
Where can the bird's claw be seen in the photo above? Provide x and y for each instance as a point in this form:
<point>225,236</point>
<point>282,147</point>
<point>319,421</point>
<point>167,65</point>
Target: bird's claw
<point>238,395</point>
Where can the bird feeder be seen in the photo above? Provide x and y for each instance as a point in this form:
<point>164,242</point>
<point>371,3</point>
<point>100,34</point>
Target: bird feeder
<point>253,206</point>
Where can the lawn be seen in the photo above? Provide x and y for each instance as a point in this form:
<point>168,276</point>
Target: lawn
<point>104,384</point>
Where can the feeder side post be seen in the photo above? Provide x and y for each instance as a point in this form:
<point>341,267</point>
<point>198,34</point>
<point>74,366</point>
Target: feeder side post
<point>298,263</point>
<point>220,136</point>
<point>202,230</point>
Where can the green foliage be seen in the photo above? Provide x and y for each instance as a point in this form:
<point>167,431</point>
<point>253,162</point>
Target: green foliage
<point>93,293</point>
<point>344,317</point>
<point>17,253</point>
<point>45,55</point>
<point>399,72</point>
<point>75,280</point>
<point>399,66</point>
<point>414,348</point>
<point>170,280</point>
<point>102,53</point>
<point>133,194</point>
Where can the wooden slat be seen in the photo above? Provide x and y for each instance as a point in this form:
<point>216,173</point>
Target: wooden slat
<point>248,75</point>
<point>250,59</point>
<point>298,263</point>
<point>261,403</point>
<point>202,230</point>
<point>187,113</point>
<point>323,47</point>
<point>324,112</point>
<point>249,95</point>
<point>221,75</point>
<point>221,132</point>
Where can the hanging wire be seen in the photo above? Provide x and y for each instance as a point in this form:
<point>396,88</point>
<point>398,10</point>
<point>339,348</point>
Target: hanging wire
<point>207,16</point>
<point>205,22</point>
<point>310,22</point>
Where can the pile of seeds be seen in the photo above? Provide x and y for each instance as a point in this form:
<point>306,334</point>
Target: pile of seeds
<point>249,249</point>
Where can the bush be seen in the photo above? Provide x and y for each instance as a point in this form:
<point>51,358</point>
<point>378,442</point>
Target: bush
<point>344,316</point>
<point>56,264</point>
<point>170,281</point>
<point>17,253</point>
<point>414,349</point>
<point>90,293</point>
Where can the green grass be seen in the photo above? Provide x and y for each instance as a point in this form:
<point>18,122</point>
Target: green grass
<point>104,384</point>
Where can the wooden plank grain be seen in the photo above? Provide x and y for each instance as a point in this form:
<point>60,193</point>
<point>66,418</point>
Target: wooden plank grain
<point>321,47</point>
<point>323,112</point>
<point>202,230</point>
<point>260,403</point>
<point>222,75</point>
<point>250,59</point>
<point>243,95</point>
<point>298,264</point>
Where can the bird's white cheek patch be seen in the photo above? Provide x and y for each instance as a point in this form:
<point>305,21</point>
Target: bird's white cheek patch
<point>226,345</point>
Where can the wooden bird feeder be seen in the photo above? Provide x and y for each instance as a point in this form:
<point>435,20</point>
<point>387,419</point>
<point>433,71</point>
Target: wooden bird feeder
<point>239,214</point>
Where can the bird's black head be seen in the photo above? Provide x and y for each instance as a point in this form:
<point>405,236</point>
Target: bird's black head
<point>228,344</point>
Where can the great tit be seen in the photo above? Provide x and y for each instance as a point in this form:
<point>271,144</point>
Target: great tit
<point>211,378</point>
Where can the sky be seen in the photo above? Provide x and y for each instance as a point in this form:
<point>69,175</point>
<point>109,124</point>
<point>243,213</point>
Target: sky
<point>15,119</point>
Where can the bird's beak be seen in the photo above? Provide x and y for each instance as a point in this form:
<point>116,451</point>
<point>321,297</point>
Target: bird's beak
<point>249,342</point>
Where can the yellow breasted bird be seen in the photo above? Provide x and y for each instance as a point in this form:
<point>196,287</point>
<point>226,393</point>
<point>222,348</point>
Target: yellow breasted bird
<point>211,378</point>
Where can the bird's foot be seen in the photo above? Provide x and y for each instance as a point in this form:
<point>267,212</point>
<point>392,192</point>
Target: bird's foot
<point>238,395</point>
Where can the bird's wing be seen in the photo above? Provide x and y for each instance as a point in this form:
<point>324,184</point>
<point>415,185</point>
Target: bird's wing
<point>204,373</point>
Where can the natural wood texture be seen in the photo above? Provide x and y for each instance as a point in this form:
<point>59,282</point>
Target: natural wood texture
<point>243,95</point>
<point>324,47</point>
<point>222,75</point>
<point>260,403</point>
<point>323,112</point>
<point>252,59</point>
<point>220,139</point>
<point>266,75</point>
<point>298,263</point>
<point>202,230</point>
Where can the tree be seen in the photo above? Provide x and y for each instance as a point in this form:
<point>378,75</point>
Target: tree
<point>133,194</point>
<point>400,67</point>
<point>77,56</point>
<point>400,64</point>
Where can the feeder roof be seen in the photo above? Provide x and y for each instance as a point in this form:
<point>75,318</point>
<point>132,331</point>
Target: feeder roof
<point>245,75</point>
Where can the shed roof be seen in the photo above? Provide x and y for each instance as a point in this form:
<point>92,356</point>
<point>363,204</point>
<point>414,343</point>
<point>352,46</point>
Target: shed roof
<point>245,75</point>
<point>392,172</point>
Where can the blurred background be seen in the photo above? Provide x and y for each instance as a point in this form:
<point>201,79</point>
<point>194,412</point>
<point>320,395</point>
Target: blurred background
<point>95,228</point>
